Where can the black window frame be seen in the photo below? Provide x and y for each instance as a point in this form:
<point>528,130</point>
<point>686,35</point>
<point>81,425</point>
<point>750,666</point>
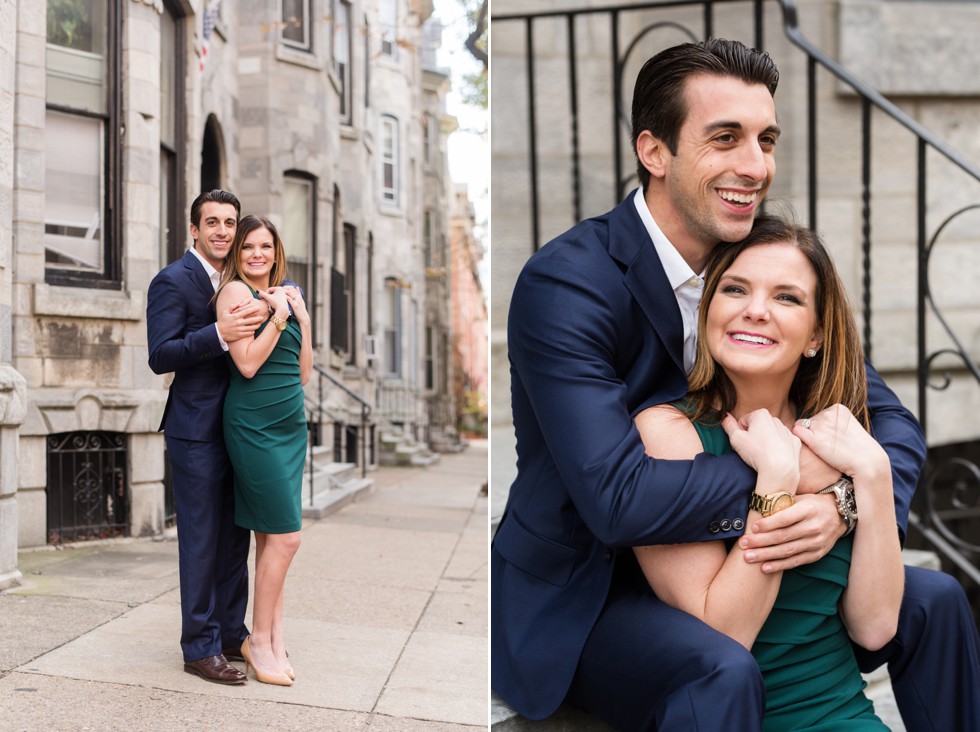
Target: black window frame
<point>111,275</point>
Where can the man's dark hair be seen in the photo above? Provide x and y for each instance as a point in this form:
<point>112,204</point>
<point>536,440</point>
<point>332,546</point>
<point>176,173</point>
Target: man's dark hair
<point>659,104</point>
<point>215,196</point>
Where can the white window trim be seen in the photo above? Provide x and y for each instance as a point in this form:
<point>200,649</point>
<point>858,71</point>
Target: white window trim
<point>307,45</point>
<point>390,196</point>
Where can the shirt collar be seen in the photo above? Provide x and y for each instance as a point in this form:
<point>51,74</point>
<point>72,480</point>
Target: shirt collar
<point>677,270</point>
<point>211,271</point>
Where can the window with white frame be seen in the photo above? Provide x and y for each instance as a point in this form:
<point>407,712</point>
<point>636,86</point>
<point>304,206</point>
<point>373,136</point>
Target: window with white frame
<point>393,328</point>
<point>389,159</point>
<point>388,22</point>
<point>82,182</point>
<point>342,55</point>
<point>299,234</point>
<point>295,25</point>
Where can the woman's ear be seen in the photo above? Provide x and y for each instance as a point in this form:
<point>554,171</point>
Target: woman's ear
<point>815,344</point>
<point>652,154</point>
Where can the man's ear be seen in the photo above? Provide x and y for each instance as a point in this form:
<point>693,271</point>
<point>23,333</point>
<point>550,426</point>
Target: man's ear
<point>194,233</point>
<point>652,153</point>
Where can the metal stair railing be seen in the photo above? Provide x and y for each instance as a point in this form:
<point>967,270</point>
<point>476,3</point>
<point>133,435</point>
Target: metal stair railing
<point>317,411</point>
<point>951,485</point>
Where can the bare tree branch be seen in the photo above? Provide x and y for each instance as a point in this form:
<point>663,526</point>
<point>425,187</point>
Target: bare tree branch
<point>472,42</point>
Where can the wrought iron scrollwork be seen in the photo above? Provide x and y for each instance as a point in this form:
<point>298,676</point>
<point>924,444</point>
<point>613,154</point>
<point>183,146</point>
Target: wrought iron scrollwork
<point>952,488</point>
<point>959,350</point>
<point>953,491</point>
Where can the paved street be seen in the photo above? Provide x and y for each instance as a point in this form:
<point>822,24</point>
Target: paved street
<point>386,623</point>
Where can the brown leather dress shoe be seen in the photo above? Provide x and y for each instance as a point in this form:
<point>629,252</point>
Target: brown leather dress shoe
<point>233,653</point>
<point>215,669</point>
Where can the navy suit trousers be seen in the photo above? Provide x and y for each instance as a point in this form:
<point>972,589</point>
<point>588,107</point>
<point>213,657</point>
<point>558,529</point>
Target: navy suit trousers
<point>213,551</point>
<point>934,659</point>
<point>693,678</point>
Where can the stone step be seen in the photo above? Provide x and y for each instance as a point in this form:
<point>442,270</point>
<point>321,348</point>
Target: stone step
<point>333,499</point>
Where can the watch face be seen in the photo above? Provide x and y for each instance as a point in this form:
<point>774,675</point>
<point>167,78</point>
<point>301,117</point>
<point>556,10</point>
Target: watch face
<point>848,502</point>
<point>782,502</point>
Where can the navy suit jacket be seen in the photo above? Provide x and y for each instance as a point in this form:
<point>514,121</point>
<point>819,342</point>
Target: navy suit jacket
<point>594,336</point>
<point>182,338</point>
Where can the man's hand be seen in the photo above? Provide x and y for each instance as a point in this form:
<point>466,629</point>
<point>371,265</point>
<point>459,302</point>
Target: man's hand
<point>800,534</point>
<point>241,319</point>
<point>815,474</point>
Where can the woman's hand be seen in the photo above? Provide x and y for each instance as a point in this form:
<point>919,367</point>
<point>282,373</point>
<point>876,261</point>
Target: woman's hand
<point>836,437</point>
<point>295,298</point>
<point>768,447</point>
<point>276,297</point>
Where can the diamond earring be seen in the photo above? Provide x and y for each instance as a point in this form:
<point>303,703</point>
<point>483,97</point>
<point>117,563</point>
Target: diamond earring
<point>811,352</point>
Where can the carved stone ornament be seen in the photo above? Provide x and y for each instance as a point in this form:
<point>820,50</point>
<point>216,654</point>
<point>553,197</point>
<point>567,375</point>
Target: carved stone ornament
<point>155,4</point>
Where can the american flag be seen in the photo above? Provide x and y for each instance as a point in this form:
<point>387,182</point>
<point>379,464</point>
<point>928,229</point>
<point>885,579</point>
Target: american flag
<point>210,17</point>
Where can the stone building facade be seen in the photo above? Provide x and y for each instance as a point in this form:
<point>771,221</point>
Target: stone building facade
<point>914,52</point>
<point>324,115</point>
<point>471,342</point>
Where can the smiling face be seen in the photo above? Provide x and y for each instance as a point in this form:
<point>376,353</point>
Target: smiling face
<point>762,317</point>
<point>713,186</point>
<point>214,232</point>
<point>257,255</point>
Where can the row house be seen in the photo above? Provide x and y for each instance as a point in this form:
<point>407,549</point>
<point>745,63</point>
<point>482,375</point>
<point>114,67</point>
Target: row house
<point>328,116</point>
<point>471,343</point>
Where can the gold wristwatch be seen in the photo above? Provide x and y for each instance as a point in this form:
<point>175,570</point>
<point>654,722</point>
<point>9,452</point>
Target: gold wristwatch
<point>280,323</point>
<point>773,503</point>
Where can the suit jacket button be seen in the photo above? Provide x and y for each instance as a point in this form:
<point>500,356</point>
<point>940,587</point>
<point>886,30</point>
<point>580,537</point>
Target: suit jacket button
<point>726,525</point>
<point>609,556</point>
<point>713,527</point>
<point>738,524</point>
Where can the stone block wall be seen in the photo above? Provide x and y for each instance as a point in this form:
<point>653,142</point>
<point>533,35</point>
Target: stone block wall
<point>901,47</point>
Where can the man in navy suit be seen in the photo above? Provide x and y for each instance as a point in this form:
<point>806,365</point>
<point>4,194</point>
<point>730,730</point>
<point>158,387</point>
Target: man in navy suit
<point>184,337</point>
<point>603,324</point>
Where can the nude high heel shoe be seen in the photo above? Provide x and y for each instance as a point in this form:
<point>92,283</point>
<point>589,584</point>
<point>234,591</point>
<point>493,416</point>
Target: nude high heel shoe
<point>274,679</point>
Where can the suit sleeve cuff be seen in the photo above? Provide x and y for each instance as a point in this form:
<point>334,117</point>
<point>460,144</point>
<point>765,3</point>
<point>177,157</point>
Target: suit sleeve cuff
<point>224,346</point>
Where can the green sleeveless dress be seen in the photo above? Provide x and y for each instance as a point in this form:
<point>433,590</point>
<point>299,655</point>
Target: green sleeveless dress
<point>265,433</point>
<point>812,678</point>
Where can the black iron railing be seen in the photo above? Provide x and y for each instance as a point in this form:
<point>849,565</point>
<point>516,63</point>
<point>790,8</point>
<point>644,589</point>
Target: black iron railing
<point>88,491</point>
<point>947,510</point>
<point>318,412</point>
<point>403,405</point>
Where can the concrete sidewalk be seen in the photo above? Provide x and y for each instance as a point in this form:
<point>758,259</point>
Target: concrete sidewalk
<point>386,623</point>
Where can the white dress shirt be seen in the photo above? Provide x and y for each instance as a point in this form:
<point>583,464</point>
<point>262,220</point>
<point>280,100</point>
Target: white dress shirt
<point>215,277</point>
<point>687,285</point>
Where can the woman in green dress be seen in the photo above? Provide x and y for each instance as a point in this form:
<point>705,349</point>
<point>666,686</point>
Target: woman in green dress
<point>265,429</point>
<point>779,369</point>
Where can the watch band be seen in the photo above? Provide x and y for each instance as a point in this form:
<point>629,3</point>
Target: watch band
<point>280,323</point>
<point>843,489</point>
<point>773,503</point>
